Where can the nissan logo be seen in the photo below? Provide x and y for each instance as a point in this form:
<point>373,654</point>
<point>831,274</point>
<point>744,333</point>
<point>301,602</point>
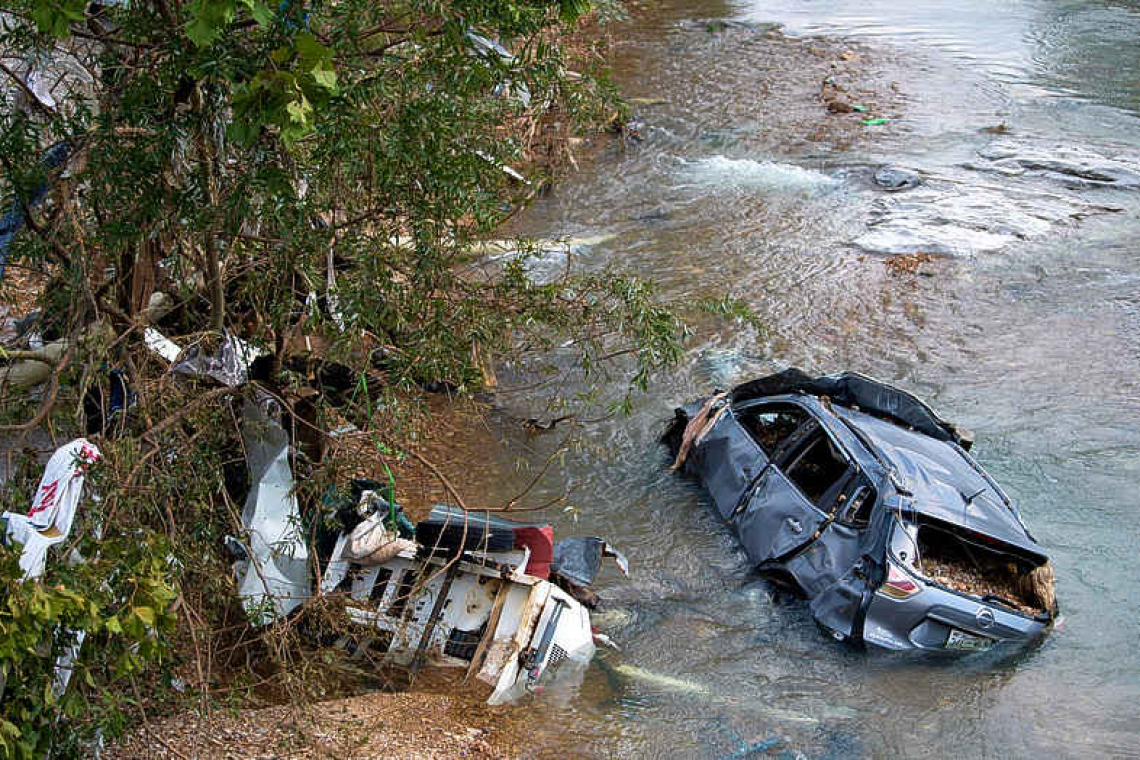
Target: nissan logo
<point>985,617</point>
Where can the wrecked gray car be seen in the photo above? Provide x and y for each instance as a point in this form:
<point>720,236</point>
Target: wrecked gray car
<point>857,495</point>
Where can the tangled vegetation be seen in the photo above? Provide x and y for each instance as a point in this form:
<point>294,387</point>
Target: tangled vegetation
<point>312,177</point>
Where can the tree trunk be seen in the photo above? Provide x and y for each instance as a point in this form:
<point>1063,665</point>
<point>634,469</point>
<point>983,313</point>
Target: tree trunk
<point>214,283</point>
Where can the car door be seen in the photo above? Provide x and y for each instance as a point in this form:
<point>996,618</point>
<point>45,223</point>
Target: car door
<point>729,460</point>
<point>740,446</point>
<point>784,510</point>
<point>827,558</point>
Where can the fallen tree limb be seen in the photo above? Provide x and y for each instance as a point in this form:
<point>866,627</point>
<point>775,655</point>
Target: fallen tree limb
<point>442,479</point>
<point>31,367</point>
<point>67,349</point>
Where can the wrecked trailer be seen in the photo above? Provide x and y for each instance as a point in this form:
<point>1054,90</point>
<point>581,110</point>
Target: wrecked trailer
<point>459,588</point>
<point>857,495</point>
<point>474,591</point>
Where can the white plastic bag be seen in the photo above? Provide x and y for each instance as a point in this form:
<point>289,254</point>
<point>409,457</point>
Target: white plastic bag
<point>49,520</point>
<point>370,543</point>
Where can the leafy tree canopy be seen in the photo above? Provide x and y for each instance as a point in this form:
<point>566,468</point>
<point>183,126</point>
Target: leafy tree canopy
<point>241,155</point>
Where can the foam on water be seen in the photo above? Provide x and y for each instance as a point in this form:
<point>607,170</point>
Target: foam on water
<point>746,173</point>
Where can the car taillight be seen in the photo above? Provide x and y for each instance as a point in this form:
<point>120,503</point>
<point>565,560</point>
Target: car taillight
<point>899,585</point>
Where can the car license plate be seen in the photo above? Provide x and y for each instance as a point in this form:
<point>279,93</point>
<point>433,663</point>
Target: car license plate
<point>968,641</point>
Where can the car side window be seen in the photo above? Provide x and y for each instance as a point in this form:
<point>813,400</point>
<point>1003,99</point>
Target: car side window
<point>857,509</point>
<point>817,467</point>
<point>771,424</point>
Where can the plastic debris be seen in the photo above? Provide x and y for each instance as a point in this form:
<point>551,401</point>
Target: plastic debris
<point>493,51</point>
<point>229,365</point>
<point>506,169</point>
<point>746,749</point>
<point>105,410</point>
<point>372,542</point>
<point>579,559</point>
<point>48,523</point>
<point>277,575</point>
<point>875,122</point>
<point>160,344</point>
<point>12,221</point>
<point>30,372</point>
<point>49,520</point>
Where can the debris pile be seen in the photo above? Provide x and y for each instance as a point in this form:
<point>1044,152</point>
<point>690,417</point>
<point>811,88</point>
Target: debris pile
<point>950,562</point>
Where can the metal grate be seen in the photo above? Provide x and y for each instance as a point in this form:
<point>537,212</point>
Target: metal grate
<point>404,589</point>
<point>383,575</point>
<point>462,644</point>
<point>557,655</point>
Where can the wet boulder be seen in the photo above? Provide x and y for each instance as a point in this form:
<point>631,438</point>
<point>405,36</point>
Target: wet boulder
<point>893,179</point>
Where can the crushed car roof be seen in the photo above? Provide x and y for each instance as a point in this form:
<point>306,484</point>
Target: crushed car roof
<point>854,390</point>
<point>943,483</point>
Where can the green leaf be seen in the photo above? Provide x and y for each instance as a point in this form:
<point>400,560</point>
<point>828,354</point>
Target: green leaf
<point>262,14</point>
<point>54,18</point>
<point>572,10</point>
<point>325,78</point>
<point>309,50</point>
<point>281,55</point>
<point>145,614</point>
<point>242,132</point>
<point>201,33</point>
<point>209,18</point>
<point>113,625</point>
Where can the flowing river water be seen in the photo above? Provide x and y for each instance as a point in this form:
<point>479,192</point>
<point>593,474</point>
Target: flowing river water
<point>1023,119</point>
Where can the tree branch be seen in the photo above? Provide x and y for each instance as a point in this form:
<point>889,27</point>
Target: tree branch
<point>13,355</point>
<point>442,478</point>
<point>205,398</point>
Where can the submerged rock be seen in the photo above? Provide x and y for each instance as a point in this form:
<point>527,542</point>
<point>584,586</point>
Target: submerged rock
<point>893,178</point>
<point>1071,165</point>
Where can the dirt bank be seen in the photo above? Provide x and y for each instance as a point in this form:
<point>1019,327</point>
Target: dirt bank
<point>441,718</point>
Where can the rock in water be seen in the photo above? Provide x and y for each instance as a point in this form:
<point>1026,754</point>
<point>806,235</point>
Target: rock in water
<point>893,179</point>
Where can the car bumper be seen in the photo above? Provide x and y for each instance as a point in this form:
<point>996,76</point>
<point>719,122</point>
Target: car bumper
<point>938,619</point>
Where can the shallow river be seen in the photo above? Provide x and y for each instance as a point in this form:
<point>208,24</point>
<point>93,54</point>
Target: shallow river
<point>1025,328</point>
